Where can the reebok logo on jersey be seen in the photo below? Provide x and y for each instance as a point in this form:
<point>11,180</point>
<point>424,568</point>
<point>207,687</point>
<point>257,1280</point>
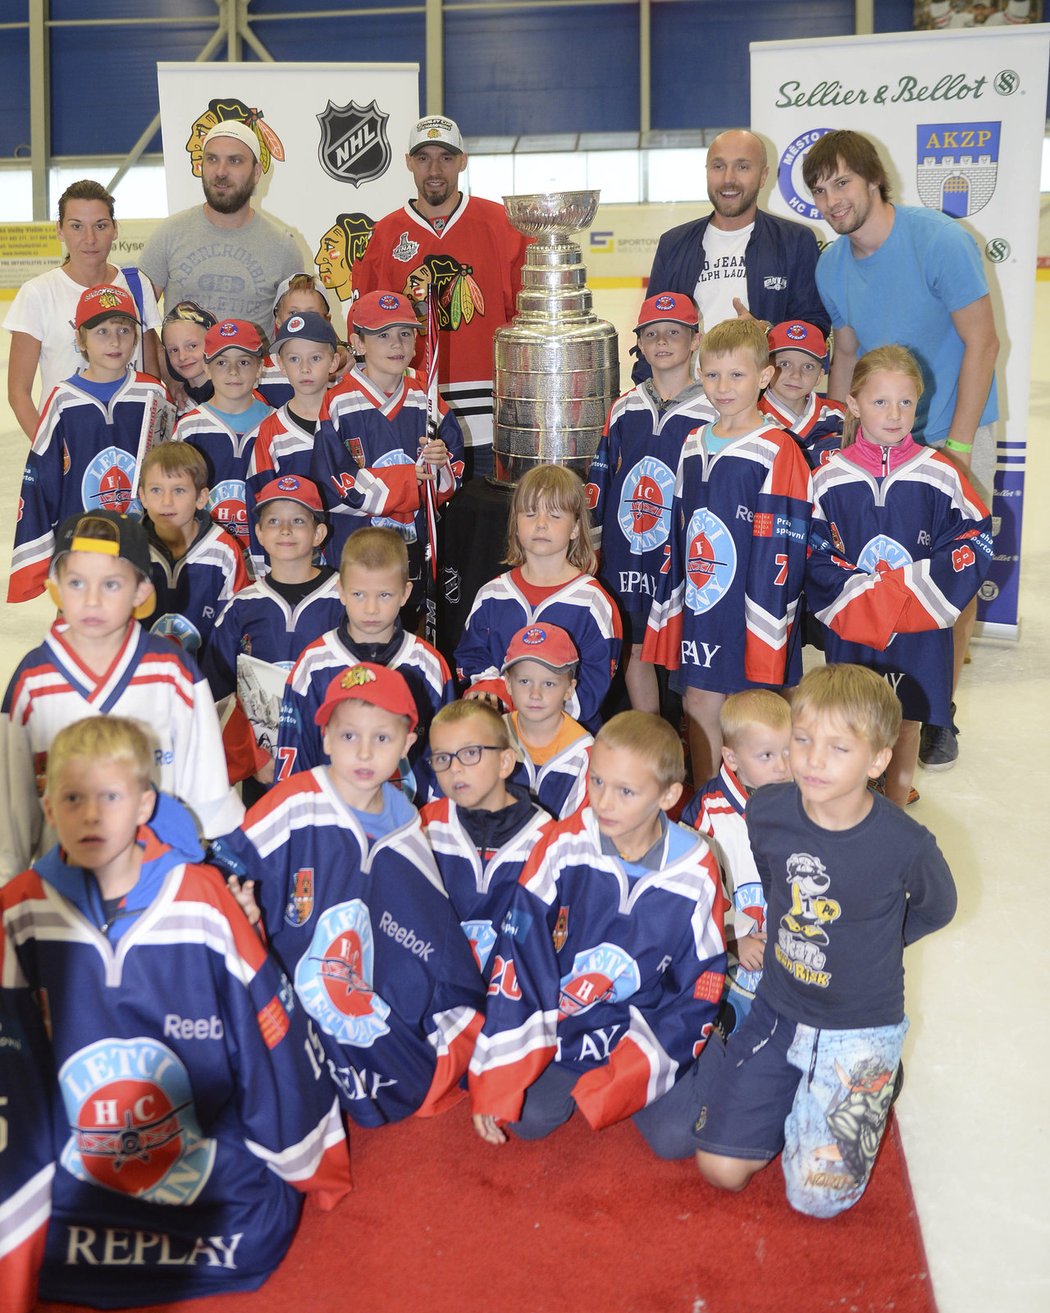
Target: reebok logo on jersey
<point>176,1027</point>
<point>406,937</point>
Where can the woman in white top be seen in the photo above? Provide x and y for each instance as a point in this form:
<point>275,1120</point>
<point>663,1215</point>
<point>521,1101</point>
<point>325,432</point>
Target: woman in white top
<point>41,316</point>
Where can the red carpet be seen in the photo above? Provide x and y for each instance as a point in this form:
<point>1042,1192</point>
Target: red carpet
<point>583,1223</point>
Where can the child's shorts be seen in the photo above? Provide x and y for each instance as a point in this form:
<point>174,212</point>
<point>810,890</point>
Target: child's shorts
<point>821,1097</point>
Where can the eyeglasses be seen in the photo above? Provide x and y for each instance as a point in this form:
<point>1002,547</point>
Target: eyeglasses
<point>468,756</point>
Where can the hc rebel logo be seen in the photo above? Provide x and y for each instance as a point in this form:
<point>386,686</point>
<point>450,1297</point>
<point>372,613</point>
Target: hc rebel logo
<point>134,1128</point>
<point>227,507</point>
<point>406,528</point>
<point>882,550</point>
<point>334,977</point>
<point>109,481</point>
<point>644,512</point>
<point>481,936</point>
<point>601,974</point>
<point>710,565</point>
<point>179,630</point>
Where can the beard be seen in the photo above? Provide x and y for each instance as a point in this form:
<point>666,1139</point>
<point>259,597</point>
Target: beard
<point>228,202</point>
<point>734,206</point>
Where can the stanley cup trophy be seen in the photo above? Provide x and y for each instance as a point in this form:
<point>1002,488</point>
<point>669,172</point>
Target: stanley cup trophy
<point>556,366</point>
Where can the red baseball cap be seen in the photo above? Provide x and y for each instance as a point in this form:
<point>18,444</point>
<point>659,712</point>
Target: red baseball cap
<point>232,335</point>
<point>376,685</point>
<point>290,487</point>
<point>673,306</point>
<point>550,646</point>
<point>103,302</point>
<point>378,310</point>
<point>797,335</point>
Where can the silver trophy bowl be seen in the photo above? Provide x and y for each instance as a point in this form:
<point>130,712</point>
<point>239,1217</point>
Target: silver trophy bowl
<point>556,366</point>
<point>552,215</point>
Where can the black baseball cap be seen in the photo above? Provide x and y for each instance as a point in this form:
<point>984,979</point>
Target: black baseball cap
<point>109,534</point>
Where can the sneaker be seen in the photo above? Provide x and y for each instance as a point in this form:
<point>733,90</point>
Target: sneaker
<point>939,745</point>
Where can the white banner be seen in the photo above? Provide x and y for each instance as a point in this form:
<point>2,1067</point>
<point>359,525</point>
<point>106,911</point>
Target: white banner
<point>958,118</point>
<point>332,138</point>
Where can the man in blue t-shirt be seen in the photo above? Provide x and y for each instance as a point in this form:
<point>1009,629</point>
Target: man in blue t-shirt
<point>914,276</point>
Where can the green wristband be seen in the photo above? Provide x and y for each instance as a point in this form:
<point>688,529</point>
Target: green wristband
<point>952,445</point>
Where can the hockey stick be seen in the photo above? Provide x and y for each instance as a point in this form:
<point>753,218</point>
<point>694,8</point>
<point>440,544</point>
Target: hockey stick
<point>430,567</point>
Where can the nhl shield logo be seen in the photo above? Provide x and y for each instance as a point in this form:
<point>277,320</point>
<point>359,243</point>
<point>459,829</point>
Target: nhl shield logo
<point>956,166</point>
<point>354,146</point>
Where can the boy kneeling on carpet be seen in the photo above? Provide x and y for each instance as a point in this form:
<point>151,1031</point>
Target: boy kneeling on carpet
<point>355,911</point>
<point>166,1114</point>
<point>608,967</point>
<point>849,880</point>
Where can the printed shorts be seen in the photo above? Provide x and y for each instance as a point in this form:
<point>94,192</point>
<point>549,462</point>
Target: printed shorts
<point>820,1096</point>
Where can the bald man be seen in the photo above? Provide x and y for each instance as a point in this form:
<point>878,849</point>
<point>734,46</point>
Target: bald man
<point>739,260</point>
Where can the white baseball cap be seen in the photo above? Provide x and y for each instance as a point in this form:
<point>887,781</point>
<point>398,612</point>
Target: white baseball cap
<point>435,131</point>
<point>234,128</point>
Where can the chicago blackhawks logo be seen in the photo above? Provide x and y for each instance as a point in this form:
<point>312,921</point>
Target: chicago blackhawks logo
<point>339,250</point>
<point>459,298</point>
<point>644,513</point>
<point>334,977</point>
<point>601,974</point>
<point>134,1128</point>
<point>354,147</point>
<point>710,565</point>
<point>228,110</point>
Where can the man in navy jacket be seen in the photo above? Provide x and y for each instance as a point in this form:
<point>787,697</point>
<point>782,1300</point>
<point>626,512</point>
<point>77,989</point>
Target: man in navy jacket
<point>739,260</point>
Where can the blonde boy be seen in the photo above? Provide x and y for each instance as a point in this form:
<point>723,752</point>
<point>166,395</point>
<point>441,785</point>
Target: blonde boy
<point>609,964</point>
<point>850,880</point>
<point>484,827</point>
<point>98,660</point>
<point>373,587</point>
<point>196,566</point>
<point>756,729</point>
<point>119,920</point>
<point>93,433</point>
<point>553,749</point>
<point>724,618</point>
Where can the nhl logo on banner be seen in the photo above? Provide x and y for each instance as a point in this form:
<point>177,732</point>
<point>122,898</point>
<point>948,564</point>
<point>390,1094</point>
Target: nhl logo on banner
<point>956,166</point>
<point>354,146</point>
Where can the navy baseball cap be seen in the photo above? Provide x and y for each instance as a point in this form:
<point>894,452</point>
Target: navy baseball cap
<point>308,326</point>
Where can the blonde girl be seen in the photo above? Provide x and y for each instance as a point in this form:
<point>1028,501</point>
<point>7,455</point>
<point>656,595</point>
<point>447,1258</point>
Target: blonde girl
<point>900,543</point>
<point>551,581</point>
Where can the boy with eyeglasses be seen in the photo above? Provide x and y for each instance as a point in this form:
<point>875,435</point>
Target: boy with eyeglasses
<point>484,827</point>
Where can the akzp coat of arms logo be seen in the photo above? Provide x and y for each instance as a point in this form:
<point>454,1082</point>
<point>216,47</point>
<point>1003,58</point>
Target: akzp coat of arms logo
<point>354,147</point>
<point>956,166</point>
